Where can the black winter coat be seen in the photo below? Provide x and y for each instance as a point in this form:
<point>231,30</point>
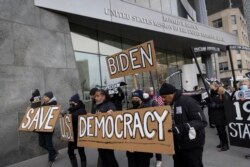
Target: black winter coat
<point>117,99</point>
<point>216,109</point>
<point>105,106</point>
<point>75,112</point>
<point>52,102</point>
<point>188,111</point>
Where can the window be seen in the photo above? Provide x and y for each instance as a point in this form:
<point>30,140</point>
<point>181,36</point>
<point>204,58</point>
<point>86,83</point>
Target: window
<point>233,19</point>
<point>238,51</point>
<point>109,44</point>
<point>239,63</point>
<point>85,41</point>
<point>217,23</point>
<point>223,66</point>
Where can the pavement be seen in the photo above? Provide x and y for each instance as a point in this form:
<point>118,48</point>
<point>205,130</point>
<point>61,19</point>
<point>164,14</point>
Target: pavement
<point>211,157</point>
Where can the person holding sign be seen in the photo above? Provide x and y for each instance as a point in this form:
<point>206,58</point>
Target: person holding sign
<point>189,124</point>
<point>218,114</point>
<point>103,105</point>
<point>45,138</point>
<point>139,159</point>
<point>76,108</point>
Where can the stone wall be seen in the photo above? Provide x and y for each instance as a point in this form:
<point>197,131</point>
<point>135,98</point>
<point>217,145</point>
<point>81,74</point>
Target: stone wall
<point>35,52</point>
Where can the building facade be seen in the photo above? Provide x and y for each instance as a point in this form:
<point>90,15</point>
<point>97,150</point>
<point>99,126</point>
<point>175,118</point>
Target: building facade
<point>231,20</point>
<point>246,5</point>
<point>61,46</point>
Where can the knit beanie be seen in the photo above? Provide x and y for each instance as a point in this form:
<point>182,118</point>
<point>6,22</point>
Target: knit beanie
<point>167,89</point>
<point>49,94</point>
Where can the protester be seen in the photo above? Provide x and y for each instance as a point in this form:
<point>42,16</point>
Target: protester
<point>92,96</point>
<point>138,159</point>
<point>76,108</point>
<point>149,100</point>
<point>218,114</point>
<point>103,105</point>
<point>45,138</point>
<point>189,124</point>
<point>117,98</point>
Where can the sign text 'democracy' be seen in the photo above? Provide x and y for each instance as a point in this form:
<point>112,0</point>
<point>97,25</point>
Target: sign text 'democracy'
<point>143,130</point>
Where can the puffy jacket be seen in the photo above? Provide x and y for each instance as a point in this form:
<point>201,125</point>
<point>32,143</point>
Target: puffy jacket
<point>188,113</point>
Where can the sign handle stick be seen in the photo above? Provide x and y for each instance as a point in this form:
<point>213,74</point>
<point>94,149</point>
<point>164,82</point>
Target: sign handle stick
<point>135,82</point>
<point>199,69</point>
<point>152,81</point>
<point>232,68</point>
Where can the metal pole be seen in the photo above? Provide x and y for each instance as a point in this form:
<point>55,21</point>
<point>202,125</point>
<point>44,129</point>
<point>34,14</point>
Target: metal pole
<point>152,81</point>
<point>199,69</point>
<point>232,67</point>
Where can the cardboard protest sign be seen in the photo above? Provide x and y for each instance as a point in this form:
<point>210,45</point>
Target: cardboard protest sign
<point>42,119</point>
<point>143,130</point>
<point>141,58</point>
<point>238,119</point>
<point>66,126</point>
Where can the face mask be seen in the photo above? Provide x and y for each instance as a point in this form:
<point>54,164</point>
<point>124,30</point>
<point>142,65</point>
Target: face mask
<point>243,87</point>
<point>135,104</point>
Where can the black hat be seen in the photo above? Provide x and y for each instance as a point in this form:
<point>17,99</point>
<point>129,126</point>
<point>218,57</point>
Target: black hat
<point>35,96</point>
<point>75,98</point>
<point>167,89</point>
<point>49,94</point>
<point>138,93</point>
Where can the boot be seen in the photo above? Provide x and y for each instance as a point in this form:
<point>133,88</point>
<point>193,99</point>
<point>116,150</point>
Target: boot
<point>73,162</point>
<point>220,145</point>
<point>83,164</point>
<point>224,147</point>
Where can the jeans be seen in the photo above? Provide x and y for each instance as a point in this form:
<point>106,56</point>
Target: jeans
<point>158,157</point>
<point>222,134</point>
<point>45,141</point>
<point>188,157</point>
<point>138,159</point>
<point>71,148</point>
<point>107,158</point>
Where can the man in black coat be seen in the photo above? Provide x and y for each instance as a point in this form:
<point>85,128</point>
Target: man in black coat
<point>76,108</point>
<point>45,138</point>
<point>189,124</point>
<point>139,159</point>
<point>103,105</point>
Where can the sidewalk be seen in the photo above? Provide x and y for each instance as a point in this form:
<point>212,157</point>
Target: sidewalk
<point>212,158</point>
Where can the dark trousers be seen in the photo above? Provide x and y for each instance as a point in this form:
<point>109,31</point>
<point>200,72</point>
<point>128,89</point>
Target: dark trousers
<point>71,148</point>
<point>46,142</point>
<point>188,157</point>
<point>222,133</point>
<point>107,158</point>
<point>138,159</point>
<point>158,157</point>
